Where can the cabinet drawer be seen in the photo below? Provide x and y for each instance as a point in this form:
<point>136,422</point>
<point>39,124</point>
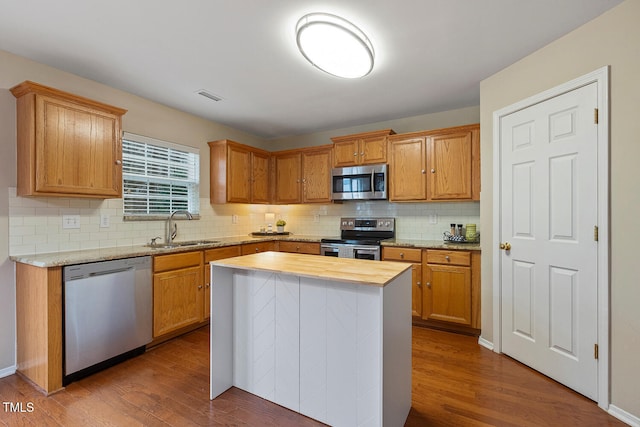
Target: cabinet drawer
<point>300,247</point>
<point>401,254</point>
<point>448,257</point>
<point>222,253</point>
<point>252,248</point>
<point>175,261</point>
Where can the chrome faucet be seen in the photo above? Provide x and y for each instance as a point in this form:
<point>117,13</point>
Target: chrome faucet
<point>172,231</point>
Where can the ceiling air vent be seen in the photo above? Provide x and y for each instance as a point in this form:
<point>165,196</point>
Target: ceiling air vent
<point>209,95</point>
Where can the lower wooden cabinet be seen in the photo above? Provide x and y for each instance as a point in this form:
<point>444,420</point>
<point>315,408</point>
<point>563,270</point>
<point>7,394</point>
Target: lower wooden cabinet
<point>445,287</point>
<point>254,248</point>
<point>213,255</point>
<point>414,256</point>
<point>178,292</point>
<point>452,287</point>
<point>299,247</point>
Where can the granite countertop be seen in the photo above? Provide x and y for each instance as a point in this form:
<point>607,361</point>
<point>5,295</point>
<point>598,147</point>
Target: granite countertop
<point>375,273</point>
<point>432,244</point>
<point>57,259</point>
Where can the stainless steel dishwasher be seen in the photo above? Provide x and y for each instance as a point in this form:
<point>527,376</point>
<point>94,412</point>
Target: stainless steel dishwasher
<point>108,314</point>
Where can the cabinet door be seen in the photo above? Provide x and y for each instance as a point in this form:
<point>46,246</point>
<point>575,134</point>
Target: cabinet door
<point>447,294</point>
<point>288,172</point>
<point>373,150</point>
<point>78,150</point>
<point>449,165</point>
<point>238,174</point>
<point>416,290</point>
<point>345,153</point>
<point>212,255</point>
<point>259,178</point>
<point>177,299</point>
<point>407,168</point>
<point>390,253</point>
<point>316,181</point>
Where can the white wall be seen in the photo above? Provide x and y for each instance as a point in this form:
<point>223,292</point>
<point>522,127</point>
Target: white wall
<point>611,39</point>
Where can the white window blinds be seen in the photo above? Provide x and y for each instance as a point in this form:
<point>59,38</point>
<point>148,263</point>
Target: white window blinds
<point>158,177</point>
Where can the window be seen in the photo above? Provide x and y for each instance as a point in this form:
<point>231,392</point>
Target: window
<point>158,177</point>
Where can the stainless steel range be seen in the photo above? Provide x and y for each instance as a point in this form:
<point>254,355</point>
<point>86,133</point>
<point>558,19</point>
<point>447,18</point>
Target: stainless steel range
<point>359,238</point>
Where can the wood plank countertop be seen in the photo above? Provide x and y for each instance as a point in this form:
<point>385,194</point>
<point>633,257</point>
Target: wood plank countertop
<point>363,272</point>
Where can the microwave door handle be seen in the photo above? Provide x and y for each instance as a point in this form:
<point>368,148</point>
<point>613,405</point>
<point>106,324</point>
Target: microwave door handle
<point>373,181</point>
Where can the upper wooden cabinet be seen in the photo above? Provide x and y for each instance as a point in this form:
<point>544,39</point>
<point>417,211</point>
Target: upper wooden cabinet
<point>68,146</point>
<point>303,176</point>
<point>453,164</point>
<point>436,165</point>
<point>288,170</point>
<point>361,149</point>
<point>239,173</point>
<point>316,175</point>
<point>407,167</point>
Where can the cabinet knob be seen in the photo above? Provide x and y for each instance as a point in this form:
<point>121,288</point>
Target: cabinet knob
<point>362,154</point>
<point>355,153</point>
<point>401,254</point>
<point>118,162</point>
<point>418,284</point>
<point>447,257</point>
<point>429,285</point>
<point>207,286</point>
<point>423,171</point>
<point>200,287</point>
<point>433,171</point>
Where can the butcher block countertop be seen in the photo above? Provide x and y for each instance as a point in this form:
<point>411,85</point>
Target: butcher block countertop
<point>363,272</point>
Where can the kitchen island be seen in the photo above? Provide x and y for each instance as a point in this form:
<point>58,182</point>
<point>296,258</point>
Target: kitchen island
<point>329,338</point>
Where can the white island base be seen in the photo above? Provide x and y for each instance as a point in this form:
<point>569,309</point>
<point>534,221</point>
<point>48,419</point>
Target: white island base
<point>306,333</point>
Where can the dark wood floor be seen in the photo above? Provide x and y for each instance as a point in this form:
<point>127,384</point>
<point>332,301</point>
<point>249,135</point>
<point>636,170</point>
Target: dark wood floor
<point>455,383</point>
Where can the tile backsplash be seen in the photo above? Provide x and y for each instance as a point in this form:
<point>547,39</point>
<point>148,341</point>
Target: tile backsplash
<point>36,223</point>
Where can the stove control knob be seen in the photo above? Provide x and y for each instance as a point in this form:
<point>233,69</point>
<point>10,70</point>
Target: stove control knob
<point>351,223</point>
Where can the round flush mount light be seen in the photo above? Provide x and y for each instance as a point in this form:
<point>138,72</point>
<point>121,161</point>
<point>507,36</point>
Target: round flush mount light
<point>334,45</point>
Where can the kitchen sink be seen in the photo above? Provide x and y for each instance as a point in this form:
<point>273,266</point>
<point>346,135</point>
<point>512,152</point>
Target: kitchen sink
<point>180,244</point>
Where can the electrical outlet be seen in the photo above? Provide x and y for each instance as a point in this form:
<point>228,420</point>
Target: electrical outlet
<point>70,221</point>
<point>316,218</point>
<point>105,221</point>
<point>234,219</point>
<point>433,218</point>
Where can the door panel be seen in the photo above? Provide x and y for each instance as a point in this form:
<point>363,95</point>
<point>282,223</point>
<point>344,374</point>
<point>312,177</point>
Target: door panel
<point>548,213</point>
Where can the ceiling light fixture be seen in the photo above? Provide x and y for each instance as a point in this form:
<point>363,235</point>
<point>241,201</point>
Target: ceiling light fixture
<point>334,45</point>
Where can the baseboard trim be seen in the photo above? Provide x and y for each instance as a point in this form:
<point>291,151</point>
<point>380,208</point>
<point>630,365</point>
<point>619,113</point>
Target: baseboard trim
<point>5,372</point>
<point>624,416</point>
<point>485,343</point>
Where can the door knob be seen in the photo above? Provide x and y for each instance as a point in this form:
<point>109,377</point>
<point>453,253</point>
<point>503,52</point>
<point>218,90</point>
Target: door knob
<point>505,246</point>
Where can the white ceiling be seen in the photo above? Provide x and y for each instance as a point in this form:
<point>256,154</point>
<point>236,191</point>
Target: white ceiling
<point>430,54</point>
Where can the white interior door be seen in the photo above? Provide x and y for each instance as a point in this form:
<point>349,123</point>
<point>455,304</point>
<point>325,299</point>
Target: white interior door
<point>548,209</point>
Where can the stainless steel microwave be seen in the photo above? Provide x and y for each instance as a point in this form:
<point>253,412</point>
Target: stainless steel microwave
<point>359,183</point>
